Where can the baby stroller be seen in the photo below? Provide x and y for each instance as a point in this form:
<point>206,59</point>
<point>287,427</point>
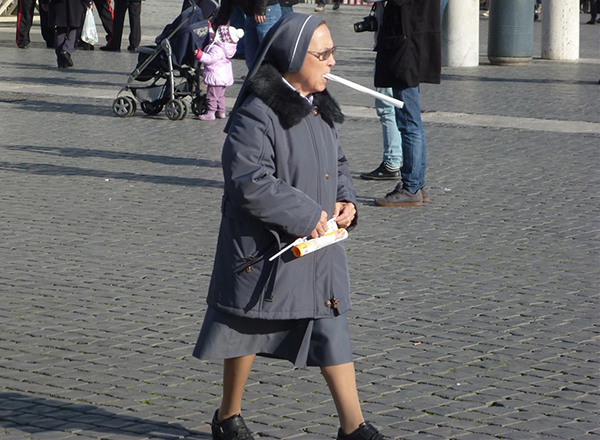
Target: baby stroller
<point>167,75</point>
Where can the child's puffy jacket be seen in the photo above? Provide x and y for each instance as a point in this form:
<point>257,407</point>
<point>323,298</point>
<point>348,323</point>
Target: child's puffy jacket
<point>217,67</point>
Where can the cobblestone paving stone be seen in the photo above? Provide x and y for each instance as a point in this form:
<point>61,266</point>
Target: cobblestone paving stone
<point>475,316</point>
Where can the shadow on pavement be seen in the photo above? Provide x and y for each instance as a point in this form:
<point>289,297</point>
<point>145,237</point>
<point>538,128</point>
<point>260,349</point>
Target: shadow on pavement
<point>36,415</point>
<point>67,81</point>
<point>120,155</point>
<point>44,67</point>
<point>60,170</point>
<point>40,106</point>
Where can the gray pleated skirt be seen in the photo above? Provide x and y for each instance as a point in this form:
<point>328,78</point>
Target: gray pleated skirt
<point>303,342</point>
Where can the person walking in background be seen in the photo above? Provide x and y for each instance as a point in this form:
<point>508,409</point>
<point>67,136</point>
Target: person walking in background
<point>403,67</point>
<point>134,9</point>
<point>321,5</point>
<point>67,18</point>
<point>25,21</point>
<point>218,73</point>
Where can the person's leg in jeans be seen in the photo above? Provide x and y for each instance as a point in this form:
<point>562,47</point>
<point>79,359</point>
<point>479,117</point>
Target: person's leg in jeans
<point>237,21</point>
<point>392,140</point>
<point>414,154</point>
<point>389,169</point>
<point>273,14</point>
<point>286,10</point>
<point>250,40</point>
<point>255,32</point>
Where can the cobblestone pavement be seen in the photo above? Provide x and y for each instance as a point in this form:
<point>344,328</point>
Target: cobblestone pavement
<point>475,316</point>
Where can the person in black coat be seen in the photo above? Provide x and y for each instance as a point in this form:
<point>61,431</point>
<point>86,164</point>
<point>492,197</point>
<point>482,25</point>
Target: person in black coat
<point>134,9</point>
<point>409,53</point>
<point>67,17</point>
<point>25,20</point>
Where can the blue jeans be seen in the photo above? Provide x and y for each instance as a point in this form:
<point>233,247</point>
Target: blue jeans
<point>286,10</point>
<point>443,4</point>
<point>414,148</point>
<point>238,20</point>
<point>255,32</point>
<point>392,140</point>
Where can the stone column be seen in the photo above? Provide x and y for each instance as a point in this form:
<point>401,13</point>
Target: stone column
<point>560,29</point>
<point>460,34</point>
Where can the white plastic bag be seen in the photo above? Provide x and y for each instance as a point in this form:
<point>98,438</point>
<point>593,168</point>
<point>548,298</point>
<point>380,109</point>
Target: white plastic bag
<point>89,34</point>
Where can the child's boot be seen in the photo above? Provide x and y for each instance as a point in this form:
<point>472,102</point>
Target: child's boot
<point>208,116</point>
<point>220,115</point>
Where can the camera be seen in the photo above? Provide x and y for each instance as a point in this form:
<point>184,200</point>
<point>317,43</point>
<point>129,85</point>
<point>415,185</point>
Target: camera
<point>368,24</point>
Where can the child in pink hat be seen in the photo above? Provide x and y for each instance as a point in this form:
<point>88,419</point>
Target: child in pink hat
<point>218,73</point>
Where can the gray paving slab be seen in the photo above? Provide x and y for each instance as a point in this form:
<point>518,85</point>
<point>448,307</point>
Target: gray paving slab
<point>475,316</point>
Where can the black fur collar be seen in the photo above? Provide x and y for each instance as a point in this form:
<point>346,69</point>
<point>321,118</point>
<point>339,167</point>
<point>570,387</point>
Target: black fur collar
<point>287,103</point>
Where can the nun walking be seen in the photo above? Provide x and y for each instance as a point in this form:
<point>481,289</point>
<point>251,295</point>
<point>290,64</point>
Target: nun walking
<point>285,177</point>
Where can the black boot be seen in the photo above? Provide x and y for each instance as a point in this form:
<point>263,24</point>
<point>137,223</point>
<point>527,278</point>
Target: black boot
<point>365,431</point>
<point>233,428</point>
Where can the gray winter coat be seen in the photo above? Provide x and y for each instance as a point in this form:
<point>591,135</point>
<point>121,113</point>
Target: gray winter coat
<point>282,165</point>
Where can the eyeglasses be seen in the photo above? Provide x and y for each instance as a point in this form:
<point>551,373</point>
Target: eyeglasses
<point>324,54</point>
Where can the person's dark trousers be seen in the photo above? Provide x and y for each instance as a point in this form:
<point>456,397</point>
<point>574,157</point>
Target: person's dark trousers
<point>593,11</point>
<point>66,39</point>
<point>106,17</point>
<point>25,20</point>
<point>134,9</point>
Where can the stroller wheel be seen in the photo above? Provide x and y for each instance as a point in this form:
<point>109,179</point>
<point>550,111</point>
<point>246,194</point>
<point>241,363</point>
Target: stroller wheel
<point>175,110</point>
<point>124,106</point>
<point>151,108</point>
<point>199,105</point>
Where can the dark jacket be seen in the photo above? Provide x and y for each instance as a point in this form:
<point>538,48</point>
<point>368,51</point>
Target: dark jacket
<point>282,165</point>
<point>408,44</point>
<point>67,13</point>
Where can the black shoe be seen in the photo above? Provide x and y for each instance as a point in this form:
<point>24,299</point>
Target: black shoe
<point>593,21</point>
<point>382,173</point>
<point>336,6</point>
<point>84,46</point>
<point>131,48</point>
<point>67,61</point>
<point>110,48</point>
<point>233,428</point>
<point>365,431</point>
<point>23,45</point>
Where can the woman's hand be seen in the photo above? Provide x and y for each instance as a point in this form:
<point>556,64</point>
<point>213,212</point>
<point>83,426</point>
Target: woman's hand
<point>260,18</point>
<point>321,227</point>
<point>344,213</point>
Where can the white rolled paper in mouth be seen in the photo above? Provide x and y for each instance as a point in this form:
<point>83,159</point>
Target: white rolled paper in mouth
<point>395,102</point>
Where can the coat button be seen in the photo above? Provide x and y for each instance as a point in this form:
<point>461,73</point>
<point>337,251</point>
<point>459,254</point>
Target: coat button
<point>327,303</point>
<point>327,176</point>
